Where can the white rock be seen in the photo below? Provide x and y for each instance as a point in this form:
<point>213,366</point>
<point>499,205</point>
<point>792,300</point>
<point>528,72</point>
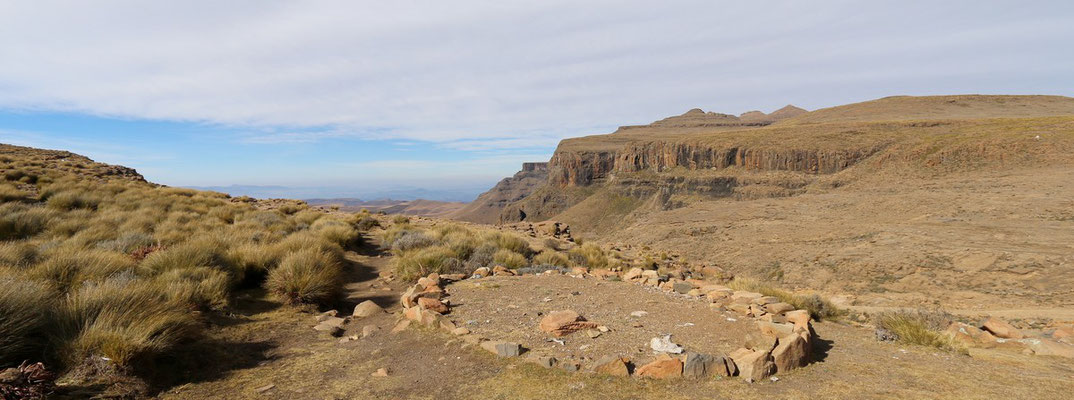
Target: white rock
<point>664,345</point>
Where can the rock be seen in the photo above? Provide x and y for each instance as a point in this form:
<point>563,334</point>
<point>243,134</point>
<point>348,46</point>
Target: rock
<point>460,331</point>
<point>970,336</point>
<point>756,310</point>
<point>12,376</point>
<point>401,326</point>
<point>765,300</point>
<point>544,361</point>
<point>368,330</point>
<point>633,274</point>
<point>694,293</point>
<point>432,305</point>
<point>421,316</point>
<point>650,274</point>
<point>755,366</point>
<point>682,287</point>
<point>481,272</point>
<point>265,388</point>
<point>367,309</point>
<point>1001,329</point>
<point>593,333</point>
<point>761,342</point>
<point>745,297</point>
<point>778,308</point>
<point>800,318</point>
<point>774,318</point>
<point>639,314</point>
<point>447,325</point>
<point>427,283</point>
<point>743,309</point>
<point>775,330</point>
<point>571,366</point>
<point>1064,333</point>
<point>664,345</point>
<point>664,367</point>
<point>562,323</point>
<point>381,372</point>
<point>698,365</point>
<point>792,352</point>
<point>502,349</point>
<point>502,270</point>
<point>1047,347</point>
<point>332,325</point>
<point>724,366</point>
<point>614,366</point>
<point>579,271</point>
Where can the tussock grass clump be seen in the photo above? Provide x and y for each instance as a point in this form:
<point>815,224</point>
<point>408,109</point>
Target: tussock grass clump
<point>18,222</point>
<point>66,268</point>
<point>400,219</point>
<point>551,257</point>
<point>25,317</point>
<point>124,319</point>
<point>819,308</point>
<point>506,241</point>
<point>920,327</point>
<point>194,253</point>
<point>307,276</point>
<point>11,193</point>
<point>411,265</point>
<point>70,200</point>
<point>410,240</point>
<point>509,259</point>
<point>590,256</point>
<point>366,222</point>
<point>18,254</point>
<point>201,287</point>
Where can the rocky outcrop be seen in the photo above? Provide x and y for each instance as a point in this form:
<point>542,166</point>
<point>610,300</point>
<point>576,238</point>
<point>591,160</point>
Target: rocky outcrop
<point>488,206</point>
<point>580,168</point>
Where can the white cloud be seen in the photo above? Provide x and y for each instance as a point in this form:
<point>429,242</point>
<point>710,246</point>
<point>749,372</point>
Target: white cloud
<point>487,75</point>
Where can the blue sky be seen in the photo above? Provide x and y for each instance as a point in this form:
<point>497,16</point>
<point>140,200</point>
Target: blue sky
<point>351,98</point>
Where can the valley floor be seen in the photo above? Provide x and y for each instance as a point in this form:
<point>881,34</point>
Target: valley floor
<point>276,354</point>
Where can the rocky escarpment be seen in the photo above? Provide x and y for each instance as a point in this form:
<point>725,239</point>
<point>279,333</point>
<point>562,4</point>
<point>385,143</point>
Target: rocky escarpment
<point>488,206</point>
<point>573,168</point>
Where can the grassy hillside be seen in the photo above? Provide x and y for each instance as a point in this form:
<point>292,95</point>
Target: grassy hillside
<point>102,273</point>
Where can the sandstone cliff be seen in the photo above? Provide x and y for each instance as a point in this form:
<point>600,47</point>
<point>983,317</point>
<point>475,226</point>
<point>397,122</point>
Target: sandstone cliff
<point>488,206</point>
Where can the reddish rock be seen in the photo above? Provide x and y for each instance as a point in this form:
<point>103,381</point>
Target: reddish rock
<point>778,308</point>
<point>755,366</point>
<point>1046,347</point>
<point>561,323</point>
<point>367,309</point>
<point>432,305</point>
<point>970,335</point>
<point>634,273</point>
<point>614,366</point>
<point>664,367</point>
<point>1001,329</point>
<point>800,318</point>
<point>792,352</point>
<point>775,330</point>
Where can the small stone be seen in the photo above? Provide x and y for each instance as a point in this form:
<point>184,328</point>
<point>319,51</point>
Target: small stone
<point>614,366</point>
<point>481,272</point>
<point>664,345</point>
<point>698,365</point>
<point>1001,329</point>
<point>460,331</point>
<point>682,287</point>
<point>367,309</point>
<point>778,308</point>
<point>639,314</point>
<point>562,323</point>
<point>792,352</point>
<point>664,367</point>
<point>502,349</point>
<point>603,328</point>
<point>401,326</point>
<point>381,372</point>
<point>265,388</point>
<point>432,305</point>
<point>571,366</point>
<point>545,361</point>
<point>593,333</point>
<point>755,365</point>
<point>368,330</point>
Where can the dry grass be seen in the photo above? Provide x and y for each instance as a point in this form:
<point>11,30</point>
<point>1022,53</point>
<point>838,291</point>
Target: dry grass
<point>819,308</point>
<point>25,318</point>
<point>307,276</point>
<point>919,327</point>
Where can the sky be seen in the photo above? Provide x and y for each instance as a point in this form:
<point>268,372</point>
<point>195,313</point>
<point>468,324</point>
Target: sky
<point>368,98</point>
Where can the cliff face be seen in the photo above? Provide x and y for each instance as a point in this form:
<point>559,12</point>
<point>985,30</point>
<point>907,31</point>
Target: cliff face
<point>488,206</point>
<point>569,167</point>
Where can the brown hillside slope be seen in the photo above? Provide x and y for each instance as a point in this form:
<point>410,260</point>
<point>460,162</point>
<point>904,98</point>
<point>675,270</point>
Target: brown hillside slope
<point>964,201</point>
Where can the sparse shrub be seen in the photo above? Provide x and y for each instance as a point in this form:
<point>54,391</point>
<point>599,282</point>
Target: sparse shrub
<point>25,316</point>
<point>367,222</point>
<point>551,244</point>
<point>539,269</point>
<point>306,276</point>
<point>551,257</point>
<point>918,327</point>
<point>400,219</point>
<point>481,257</point>
<point>509,259</point>
<point>410,240</point>
<point>819,308</point>
<point>411,265</point>
<point>292,208</point>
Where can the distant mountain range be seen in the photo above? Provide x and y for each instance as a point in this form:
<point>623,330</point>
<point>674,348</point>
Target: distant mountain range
<point>401,193</point>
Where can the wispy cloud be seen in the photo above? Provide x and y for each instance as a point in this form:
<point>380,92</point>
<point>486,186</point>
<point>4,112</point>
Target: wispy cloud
<point>477,76</point>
